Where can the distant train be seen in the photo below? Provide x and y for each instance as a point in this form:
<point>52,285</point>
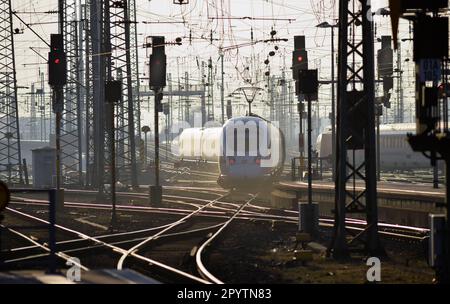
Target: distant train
<point>395,151</point>
<point>249,151</point>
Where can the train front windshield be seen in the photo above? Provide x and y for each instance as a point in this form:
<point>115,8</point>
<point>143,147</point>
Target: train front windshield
<point>246,141</point>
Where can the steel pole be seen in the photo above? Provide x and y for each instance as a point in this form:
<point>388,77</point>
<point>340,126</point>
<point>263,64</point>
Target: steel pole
<point>61,16</point>
<point>156,189</point>
<point>436,176</point>
<point>58,150</point>
<point>156,128</point>
<point>300,136</point>
<point>309,152</point>
<point>222,89</point>
<point>112,151</point>
<point>145,150</point>
<point>52,201</point>
<point>378,149</point>
<point>333,106</point>
<point>166,137</point>
<point>57,109</point>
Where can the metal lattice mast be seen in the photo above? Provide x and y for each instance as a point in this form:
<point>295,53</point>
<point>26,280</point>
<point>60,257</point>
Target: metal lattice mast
<point>135,80</point>
<point>109,118</point>
<point>81,22</point>
<point>10,155</point>
<point>356,129</point>
<point>33,120</point>
<point>43,123</point>
<point>98,58</point>
<point>89,98</point>
<point>121,70</point>
<point>71,129</point>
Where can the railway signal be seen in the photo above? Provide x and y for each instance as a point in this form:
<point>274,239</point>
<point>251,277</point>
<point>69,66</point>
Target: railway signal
<point>57,64</point>
<point>432,131</point>
<point>385,58</point>
<point>158,63</point>
<point>57,78</point>
<point>385,67</point>
<point>157,83</point>
<point>299,62</point>
<point>299,56</point>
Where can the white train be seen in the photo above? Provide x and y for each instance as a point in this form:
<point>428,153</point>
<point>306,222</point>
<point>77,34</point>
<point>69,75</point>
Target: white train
<point>395,151</point>
<point>248,151</point>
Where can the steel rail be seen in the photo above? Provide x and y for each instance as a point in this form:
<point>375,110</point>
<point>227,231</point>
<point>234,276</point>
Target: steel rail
<point>115,248</point>
<point>115,243</point>
<point>198,256</point>
<point>61,255</point>
<point>181,211</point>
<point>174,224</point>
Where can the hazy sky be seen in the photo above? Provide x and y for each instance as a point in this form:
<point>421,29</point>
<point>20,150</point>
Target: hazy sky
<point>225,19</point>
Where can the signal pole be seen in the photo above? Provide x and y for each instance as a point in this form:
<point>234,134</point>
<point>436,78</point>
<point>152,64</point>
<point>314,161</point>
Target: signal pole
<point>113,93</point>
<point>222,89</point>
<point>309,151</point>
<point>307,83</point>
<point>299,63</point>
<point>157,83</point>
<point>145,129</point>
<point>57,109</point>
<point>155,196</point>
<point>58,102</point>
<point>57,79</point>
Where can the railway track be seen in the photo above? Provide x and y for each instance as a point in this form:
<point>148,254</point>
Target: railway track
<point>170,227</point>
<point>400,231</point>
<point>258,212</point>
<point>108,241</point>
<point>198,255</point>
<point>187,207</point>
<point>185,277</point>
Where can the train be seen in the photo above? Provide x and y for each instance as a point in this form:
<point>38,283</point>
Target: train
<point>249,151</point>
<point>395,151</point>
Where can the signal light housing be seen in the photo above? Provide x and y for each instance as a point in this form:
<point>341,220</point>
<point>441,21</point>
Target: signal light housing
<point>57,68</point>
<point>57,63</point>
<point>299,62</point>
<point>158,63</point>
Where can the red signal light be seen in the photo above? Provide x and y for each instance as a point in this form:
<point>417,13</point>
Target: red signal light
<point>57,61</point>
<point>300,58</point>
